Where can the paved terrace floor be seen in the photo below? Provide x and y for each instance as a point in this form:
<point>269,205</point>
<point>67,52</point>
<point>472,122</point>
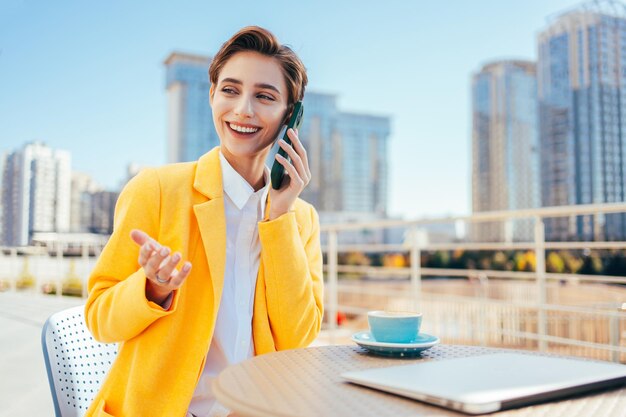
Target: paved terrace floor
<point>23,382</point>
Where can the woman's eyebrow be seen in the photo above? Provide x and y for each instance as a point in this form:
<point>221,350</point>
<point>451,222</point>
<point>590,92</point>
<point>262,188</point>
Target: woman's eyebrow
<point>267,86</point>
<point>232,80</point>
<point>258,85</point>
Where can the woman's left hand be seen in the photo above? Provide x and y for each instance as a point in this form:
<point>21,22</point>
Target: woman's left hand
<point>298,176</point>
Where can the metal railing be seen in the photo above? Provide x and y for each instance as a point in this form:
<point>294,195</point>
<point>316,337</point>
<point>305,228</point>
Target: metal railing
<point>539,321</point>
<point>48,269</point>
<point>532,316</point>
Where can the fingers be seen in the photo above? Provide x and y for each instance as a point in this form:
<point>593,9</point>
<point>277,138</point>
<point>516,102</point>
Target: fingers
<point>300,165</point>
<point>146,251</point>
<point>295,138</point>
<point>168,265</point>
<point>295,158</point>
<point>166,270</point>
<point>175,278</point>
<point>139,237</point>
<point>179,276</point>
<point>154,262</point>
<point>148,245</point>
<point>294,177</point>
<point>157,262</point>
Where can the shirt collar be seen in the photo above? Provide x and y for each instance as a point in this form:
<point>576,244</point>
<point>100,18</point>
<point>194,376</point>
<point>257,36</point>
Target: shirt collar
<point>238,188</point>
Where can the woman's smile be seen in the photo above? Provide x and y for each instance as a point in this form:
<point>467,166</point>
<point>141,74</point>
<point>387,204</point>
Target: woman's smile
<point>242,130</point>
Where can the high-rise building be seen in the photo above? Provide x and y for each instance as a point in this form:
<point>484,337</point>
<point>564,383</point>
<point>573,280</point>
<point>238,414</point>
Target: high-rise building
<point>347,151</point>
<point>36,193</point>
<point>347,155</point>
<point>190,122</point>
<point>102,211</point>
<point>363,156</point>
<point>92,207</point>
<point>505,147</point>
<point>83,186</point>
<point>582,102</point>
<point>319,136</point>
<point>3,163</point>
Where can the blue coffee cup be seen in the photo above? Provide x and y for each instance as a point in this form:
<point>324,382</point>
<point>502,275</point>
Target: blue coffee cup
<point>394,326</point>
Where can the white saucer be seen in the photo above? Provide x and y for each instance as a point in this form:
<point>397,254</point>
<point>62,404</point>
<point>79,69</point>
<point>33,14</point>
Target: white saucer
<point>367,341</point>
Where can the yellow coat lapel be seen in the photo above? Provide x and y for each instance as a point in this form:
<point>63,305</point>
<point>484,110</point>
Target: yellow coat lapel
<point>212,219</point>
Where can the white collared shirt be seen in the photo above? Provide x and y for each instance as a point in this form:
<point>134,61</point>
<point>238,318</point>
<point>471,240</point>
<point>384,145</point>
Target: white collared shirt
<point>232,339</point>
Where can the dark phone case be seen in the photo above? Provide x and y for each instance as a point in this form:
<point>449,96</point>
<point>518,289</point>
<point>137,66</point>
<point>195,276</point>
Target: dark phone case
<point>278,171</point>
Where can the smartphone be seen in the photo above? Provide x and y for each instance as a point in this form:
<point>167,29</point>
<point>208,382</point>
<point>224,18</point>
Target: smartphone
<point>278,171</point>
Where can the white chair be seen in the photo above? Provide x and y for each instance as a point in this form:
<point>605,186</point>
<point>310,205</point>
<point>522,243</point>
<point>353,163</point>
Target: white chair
<point>76,363</point>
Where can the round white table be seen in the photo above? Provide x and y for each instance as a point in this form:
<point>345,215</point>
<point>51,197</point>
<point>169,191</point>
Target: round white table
<point>307,382</point>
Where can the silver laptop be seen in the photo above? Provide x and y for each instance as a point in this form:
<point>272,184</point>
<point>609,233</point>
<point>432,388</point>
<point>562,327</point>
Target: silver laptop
<point>492,382</point>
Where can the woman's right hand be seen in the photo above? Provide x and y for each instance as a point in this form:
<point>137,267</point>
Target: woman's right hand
<point>160,267</point>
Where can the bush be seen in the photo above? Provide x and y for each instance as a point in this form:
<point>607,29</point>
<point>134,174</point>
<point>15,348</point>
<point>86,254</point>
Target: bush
<point>73,287</point>
<point>26,280</point>
<point>72,284</point>
<point>592,264</point>
<point>555,263</point>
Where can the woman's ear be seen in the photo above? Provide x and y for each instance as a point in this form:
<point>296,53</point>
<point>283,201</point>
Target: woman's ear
<point>288,113</point>
<point>211,92</point>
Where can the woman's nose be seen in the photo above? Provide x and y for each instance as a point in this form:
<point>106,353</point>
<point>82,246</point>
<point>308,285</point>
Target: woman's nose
<point>244,107</point>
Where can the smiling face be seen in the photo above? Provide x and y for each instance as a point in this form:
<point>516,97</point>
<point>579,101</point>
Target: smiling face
<point>249,103</point>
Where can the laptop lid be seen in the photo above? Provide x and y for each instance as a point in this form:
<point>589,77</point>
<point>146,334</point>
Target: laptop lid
<point>492,382</point>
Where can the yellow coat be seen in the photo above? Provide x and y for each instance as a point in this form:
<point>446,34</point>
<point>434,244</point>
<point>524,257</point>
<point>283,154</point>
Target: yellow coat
<point>162,353</point>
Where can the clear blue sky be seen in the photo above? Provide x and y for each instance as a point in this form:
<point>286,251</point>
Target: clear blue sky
<point>88,77</point>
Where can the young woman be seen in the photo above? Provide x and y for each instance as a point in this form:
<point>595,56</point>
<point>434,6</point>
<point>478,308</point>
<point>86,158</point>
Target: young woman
<point>209,265</point>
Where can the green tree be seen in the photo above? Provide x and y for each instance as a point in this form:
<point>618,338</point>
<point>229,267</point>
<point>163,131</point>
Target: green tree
<point>592,264</point>
<point>573,263</point>
<point>440,259</point>
<point>499,261</point>
<point>616,264</point>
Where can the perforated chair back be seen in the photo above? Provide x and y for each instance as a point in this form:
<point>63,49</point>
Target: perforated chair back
<point>76,363</point>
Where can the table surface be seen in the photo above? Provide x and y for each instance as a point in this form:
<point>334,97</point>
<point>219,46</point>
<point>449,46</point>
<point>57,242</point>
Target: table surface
<point>307,382</point>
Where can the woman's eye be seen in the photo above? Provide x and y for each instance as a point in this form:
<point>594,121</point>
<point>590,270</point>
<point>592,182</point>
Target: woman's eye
<point>265,97</point>
<point>228,90</point>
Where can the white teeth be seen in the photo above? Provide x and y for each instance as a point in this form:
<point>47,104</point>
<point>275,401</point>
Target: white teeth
<point>243,129</point>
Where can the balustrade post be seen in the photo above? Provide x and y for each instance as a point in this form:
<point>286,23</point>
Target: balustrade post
<point>59,260</point>
<point>14,268</point>
<point>84,276</point>
<point>614,337</point>
<point>483,281</point>
<point>332,285</point>
<point>416,270</point>
<point>542,291</point>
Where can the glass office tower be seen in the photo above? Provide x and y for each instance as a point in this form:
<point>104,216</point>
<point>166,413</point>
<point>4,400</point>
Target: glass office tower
<point>348,157</point>
<point>190,121</point>
<point>582,99</point>
<point>363,156</point>
<point>505,158</point>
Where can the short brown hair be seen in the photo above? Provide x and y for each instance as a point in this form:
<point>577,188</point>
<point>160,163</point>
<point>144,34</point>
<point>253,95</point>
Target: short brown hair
<point>257,39</point>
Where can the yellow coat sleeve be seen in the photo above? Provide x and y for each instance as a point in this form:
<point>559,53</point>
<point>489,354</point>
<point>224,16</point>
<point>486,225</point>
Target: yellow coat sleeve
<point>293,279</point>
<point>117,309</point>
